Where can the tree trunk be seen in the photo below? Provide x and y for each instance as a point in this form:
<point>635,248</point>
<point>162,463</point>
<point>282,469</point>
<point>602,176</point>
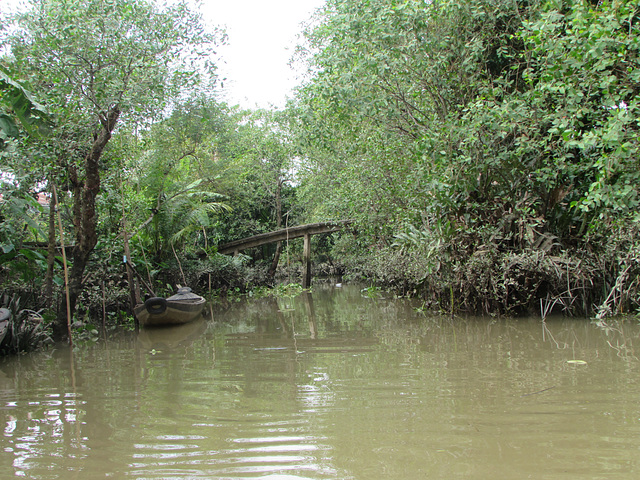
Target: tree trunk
<point>85,220</point>
<point>51,254</point>
<point>278,200</point>
<point>276,259</point>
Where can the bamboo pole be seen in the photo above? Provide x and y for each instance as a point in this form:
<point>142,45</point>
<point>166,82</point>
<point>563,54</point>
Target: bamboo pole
<point>206,249</point>
<point>132,288</point>
<point>64,264</point>
<point>184,279</point>
<point>146,266</point>
<point>104,308</point>
<point>146,285</point>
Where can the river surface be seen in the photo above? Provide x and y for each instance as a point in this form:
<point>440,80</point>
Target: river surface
<point>330,385</point>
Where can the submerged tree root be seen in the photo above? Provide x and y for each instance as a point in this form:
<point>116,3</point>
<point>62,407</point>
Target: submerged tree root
<point>530,282</point>
<point>526,283</point>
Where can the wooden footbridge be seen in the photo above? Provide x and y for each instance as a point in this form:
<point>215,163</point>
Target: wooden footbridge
<point>284,234</point>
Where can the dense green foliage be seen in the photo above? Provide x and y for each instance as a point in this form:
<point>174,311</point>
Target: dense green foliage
<point>476,136</point>
<point>453,106</point>
<point>487,152</point>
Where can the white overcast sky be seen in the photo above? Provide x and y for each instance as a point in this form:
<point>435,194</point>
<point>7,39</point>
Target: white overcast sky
<point>262,38</point>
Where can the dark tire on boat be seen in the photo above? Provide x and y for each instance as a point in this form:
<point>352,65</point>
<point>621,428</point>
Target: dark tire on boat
<point>155,305</point>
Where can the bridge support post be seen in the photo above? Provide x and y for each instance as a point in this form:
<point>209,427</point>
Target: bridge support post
<point>306,273</point>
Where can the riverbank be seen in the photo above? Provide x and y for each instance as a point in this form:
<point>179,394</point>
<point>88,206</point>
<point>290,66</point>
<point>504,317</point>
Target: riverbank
<point>599,279</point>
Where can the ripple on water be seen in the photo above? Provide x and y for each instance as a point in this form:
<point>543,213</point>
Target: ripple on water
<point>261,448</point>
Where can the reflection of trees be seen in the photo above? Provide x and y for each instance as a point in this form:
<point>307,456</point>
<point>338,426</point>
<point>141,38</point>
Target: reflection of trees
<point>353,386</point>
<point>59,424</point>
<point>82,407</point>
<point>619,334</point>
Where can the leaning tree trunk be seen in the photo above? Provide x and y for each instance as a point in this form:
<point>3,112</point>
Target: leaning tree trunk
<point>85,219</point>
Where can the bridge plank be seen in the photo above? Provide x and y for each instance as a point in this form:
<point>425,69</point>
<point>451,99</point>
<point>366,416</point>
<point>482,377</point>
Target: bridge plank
<point>281,235</point>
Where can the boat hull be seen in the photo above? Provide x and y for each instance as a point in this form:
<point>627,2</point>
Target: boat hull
<point>177,312</point>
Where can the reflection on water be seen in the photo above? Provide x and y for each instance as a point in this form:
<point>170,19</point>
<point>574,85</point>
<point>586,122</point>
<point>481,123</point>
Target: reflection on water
<point>330,386</point>
<point>171,337</point>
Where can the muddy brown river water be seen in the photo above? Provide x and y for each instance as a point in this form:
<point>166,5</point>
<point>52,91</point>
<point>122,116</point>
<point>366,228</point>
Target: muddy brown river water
<point>331,385</point>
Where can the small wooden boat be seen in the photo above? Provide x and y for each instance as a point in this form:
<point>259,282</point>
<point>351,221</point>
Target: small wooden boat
<point>177,309</point>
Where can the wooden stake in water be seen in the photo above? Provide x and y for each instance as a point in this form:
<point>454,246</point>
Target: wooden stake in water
<point>64,264</point>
